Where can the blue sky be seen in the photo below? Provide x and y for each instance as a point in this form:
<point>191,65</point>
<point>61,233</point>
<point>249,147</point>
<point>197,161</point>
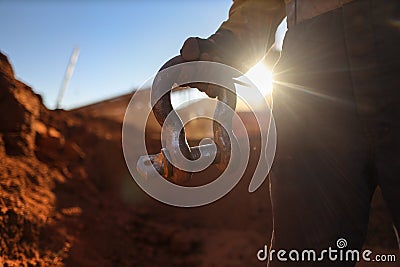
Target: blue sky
<point>122,43</point>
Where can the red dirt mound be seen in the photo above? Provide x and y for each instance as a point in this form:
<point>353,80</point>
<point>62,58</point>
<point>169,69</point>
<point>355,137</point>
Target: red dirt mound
<point>62,180</point>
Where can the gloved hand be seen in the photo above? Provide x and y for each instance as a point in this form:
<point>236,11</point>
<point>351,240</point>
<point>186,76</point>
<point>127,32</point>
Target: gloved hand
<point>199,49</point>
<point>220,47</point>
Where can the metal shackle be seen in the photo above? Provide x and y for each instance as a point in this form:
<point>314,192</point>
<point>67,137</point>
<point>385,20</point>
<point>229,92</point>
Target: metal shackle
<point>175,131</point>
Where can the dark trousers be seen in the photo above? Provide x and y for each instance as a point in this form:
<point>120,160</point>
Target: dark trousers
<point>337,113</point>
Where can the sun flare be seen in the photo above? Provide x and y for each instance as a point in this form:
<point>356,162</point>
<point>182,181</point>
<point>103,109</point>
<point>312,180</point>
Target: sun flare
<point>261,76</point>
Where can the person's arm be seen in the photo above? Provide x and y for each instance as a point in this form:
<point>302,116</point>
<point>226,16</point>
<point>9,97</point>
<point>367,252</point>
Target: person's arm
<point>244,38</point>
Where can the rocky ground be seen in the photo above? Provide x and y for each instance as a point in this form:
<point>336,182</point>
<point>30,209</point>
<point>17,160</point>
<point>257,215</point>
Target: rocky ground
<point>67,199</point>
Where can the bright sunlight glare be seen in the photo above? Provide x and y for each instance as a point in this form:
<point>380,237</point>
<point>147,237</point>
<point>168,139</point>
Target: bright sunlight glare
<point>261,76</point>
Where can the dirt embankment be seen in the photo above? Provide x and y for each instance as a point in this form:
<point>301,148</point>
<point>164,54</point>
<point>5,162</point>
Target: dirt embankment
<point>67,199</point>
<point>64,190</point>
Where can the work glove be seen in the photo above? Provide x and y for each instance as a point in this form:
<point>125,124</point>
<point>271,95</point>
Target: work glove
<point>219,47</point>
<point>198,49</point>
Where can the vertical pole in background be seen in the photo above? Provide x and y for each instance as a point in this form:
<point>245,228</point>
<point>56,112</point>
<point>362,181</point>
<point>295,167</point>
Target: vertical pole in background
<point>67,76</point>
